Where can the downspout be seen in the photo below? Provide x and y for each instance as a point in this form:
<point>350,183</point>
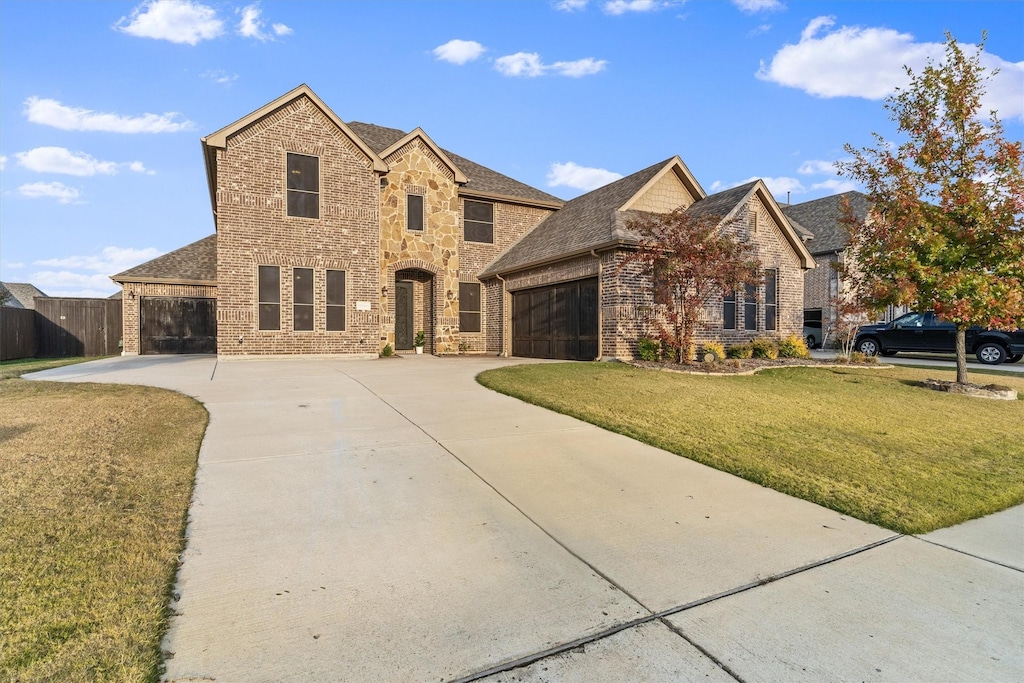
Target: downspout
<point>506,317</point>
<point>600,321</point>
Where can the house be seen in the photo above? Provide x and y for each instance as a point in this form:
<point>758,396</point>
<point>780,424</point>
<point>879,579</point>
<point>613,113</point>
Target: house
<point>19,295</point>
<point>338,238</point>
<point>829,245</point>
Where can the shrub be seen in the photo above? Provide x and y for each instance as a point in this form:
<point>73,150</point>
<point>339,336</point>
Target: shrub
<point>740,351</point>
<point>421,339</point>
<point>793,347</point>
<point>387,351</point>
<point>763,347</point>
<point>860,358</point>
<point>713,348</point>
<point>648,349</point>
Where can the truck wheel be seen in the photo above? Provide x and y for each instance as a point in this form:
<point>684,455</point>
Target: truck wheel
<point>990,353</point>
<point>810,341</point>
<point>1015,358</point>
<point>868,346</point>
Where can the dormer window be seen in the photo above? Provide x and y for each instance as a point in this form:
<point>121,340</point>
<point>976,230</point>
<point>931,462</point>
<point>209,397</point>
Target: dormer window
<point>303,186</point>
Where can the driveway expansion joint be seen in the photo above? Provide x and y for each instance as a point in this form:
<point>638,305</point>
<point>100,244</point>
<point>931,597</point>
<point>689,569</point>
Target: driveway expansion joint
<point>977,557</point>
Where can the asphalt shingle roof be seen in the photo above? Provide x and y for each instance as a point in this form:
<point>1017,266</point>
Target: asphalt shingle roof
<point>481,178</point>
<point>588,221</point>
<point>821,217</point>
<point>721,203</point>
<point>22,294</point>
<point>193,262</point>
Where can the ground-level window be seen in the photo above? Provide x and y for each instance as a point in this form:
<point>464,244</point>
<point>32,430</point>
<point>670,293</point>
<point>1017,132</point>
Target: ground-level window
<point>469,307</point>
<point>414,212</point>
<point>335,301</point>
<point>729,311</point>
<point>750,307</point>
<point>771,299</point>
<point>269,298</point>
<point>302,299</point>
<point>303,186</point>
<point>478,223</point>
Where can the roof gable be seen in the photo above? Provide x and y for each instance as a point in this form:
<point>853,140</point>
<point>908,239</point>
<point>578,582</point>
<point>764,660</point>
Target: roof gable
<point>460,177</point>
<point>822,218</point>
<point>675,167</point>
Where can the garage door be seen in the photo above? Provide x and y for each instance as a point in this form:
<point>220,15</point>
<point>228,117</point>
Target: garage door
<point>558,321</point>
<point>178,325</point>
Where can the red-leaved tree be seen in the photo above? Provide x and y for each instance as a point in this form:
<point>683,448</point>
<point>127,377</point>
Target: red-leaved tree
<point>946,229</point>
<point>690,260</point>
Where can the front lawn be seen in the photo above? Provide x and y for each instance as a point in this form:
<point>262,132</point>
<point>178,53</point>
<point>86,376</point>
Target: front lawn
<point>866,442</point>
<point>95,482</point>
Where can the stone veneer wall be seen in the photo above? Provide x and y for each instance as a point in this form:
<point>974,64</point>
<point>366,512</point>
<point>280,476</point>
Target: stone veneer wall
<point>130,307</point>
<point>415,169</point>
<point>253,229</point>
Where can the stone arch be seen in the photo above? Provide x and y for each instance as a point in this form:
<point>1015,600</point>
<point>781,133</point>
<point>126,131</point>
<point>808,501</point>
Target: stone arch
<point>438,333</point>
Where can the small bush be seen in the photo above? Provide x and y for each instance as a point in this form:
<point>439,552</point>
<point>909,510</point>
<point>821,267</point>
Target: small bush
<point>740,351</point>
<point>793,347</point>
<point>648,349</point>
<point>387,351</point>
<point>713,348</point>
<point>862,359</point>
<point>763,347</point>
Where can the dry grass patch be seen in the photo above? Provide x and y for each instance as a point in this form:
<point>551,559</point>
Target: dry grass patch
<point>95,482</point>
<point>866,442</point>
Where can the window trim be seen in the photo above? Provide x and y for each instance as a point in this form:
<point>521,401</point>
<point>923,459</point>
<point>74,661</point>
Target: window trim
<point>466,220</point>
<point>478,312</point>
<point>311,305</point>
<point>344,297</point>
<point>260,303</point>
<point>319,187</point>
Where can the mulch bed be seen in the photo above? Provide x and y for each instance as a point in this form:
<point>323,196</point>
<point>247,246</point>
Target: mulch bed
<point>746,366</point>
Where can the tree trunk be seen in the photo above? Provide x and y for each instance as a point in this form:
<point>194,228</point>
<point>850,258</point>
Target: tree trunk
<point>961,356</point>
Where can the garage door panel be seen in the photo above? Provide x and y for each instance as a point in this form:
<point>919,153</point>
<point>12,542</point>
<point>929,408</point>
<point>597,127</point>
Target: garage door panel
<point>178,325</point>
<point>558,321</point>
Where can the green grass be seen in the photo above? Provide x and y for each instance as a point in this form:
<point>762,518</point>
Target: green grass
<point>95,482</point>
<point>869,443</point>
<point>21,366</point>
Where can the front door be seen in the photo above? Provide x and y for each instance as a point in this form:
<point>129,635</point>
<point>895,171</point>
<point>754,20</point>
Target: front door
<point>403,316</point>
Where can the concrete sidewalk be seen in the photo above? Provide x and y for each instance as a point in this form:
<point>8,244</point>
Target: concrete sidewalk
<point>394,521</point>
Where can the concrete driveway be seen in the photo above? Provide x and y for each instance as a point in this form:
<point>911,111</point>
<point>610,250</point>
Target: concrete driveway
<point>391,520</point>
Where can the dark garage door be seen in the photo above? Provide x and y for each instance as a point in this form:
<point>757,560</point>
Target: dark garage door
<point>559,321</point>
<point>178,325</point>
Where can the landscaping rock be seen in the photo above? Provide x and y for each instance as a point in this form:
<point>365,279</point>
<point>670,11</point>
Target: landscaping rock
<point>995,391</point>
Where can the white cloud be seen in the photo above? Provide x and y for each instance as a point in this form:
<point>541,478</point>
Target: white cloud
<point>459,51</point>
<point>758,30</point>
<point>219,76</point>
<point>138,167</point>
<point>61,160</point>
<point>835,185</point>
<point>579,177</point>
<point>617,7</point>
<point>754,6</point>
<point>530,65</point>
<point>817,167</point>
<point>110,260</point>
<point>53,113</point>
<point>179,21</point>
<point>581,67</point>
<point>571,5</point>
<point>3,162</point>
<point>13,264</point>
<point>251,24</point>
<point>59,191</point>
<point>520,64</point>
<point>854,61</point>
<point>282,29</point>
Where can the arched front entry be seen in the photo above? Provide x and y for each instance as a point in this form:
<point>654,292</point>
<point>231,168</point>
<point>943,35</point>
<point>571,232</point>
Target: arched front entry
<point>414,308</point>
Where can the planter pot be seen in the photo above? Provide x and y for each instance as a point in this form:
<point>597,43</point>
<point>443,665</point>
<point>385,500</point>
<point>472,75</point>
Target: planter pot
<point>419,350</point>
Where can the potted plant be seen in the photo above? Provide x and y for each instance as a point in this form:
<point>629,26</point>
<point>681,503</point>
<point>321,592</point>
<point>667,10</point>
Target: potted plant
<point>419,341</point>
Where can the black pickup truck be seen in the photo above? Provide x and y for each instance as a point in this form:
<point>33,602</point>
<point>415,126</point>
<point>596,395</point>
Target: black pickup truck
<point>927,332</point>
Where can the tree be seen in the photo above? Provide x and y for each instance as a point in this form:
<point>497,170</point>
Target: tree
<point>690,260</point>
<point>946,231</point>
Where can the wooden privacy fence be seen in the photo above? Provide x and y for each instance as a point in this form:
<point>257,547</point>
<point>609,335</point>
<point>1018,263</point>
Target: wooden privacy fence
<point>17,333</point>
<point>77,327</point>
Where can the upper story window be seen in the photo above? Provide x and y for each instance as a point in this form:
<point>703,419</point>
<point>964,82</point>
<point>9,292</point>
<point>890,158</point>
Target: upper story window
<point>479,222</point>
<point>303,186</point>
<point>414,212</point>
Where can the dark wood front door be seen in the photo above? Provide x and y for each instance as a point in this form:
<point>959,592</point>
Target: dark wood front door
<point>403,315</point>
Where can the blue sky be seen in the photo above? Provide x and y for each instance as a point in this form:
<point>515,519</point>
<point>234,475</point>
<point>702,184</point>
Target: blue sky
<point>103,103</point>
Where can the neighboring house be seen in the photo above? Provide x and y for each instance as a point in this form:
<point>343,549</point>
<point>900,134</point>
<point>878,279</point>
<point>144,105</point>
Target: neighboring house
<point>825,285</point>
<point>19,294</point>
<point>335,238</point>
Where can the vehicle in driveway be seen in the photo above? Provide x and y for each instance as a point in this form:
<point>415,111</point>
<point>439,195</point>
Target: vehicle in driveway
<point>928,333</point>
